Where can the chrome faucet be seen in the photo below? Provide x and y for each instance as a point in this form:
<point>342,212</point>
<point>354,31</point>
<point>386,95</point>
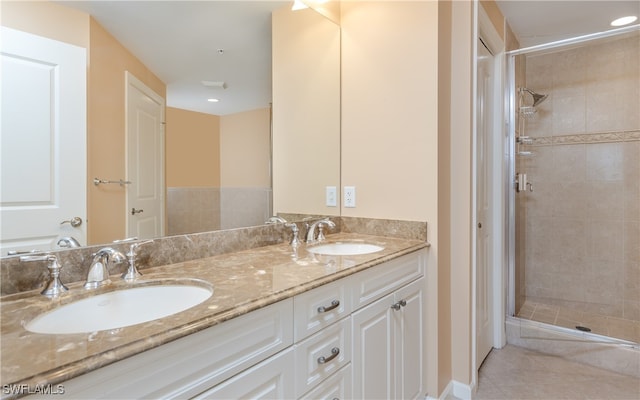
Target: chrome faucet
<point>99,270</point>
<point>319,226</point>
<point>68,242</point>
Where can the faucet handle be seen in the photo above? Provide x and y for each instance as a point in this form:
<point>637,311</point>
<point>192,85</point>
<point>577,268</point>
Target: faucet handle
<point>132,272</point>
<point>295,240</point>
<point>133,249</point>
<point>276,219</point>
<point>54,286</point>
<point>321,236</point>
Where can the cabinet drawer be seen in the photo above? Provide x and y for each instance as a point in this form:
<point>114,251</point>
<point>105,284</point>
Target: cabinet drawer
<point>322,354</point>
<point>189,365</point>
<point>337,386</point>
<point>320,307</point>
<point>268,380</point>
<point>380,280</point>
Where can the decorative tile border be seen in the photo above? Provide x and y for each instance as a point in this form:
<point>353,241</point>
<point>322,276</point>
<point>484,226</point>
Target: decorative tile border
<point>583,138</point>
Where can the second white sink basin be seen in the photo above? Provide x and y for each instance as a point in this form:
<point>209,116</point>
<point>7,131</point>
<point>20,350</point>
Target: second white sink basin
<point>120,308</point>
<point>344,249</point>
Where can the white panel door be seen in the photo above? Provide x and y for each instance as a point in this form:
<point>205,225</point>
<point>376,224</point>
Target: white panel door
<point>43,141</point>
<point>145,160</point>
<point>484,278</point>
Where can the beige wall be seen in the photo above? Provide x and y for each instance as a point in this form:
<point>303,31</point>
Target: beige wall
<point>389,108</point>
<point>47,19</point>
<point>108,62</point>
<point>192,149</point>
<point>390,132</point>
<point>461,184</point>
<point>245,143</point>
<point>443,282</point>
<point>495,15</point>
<point>306,111</point>
<point>217,170</point>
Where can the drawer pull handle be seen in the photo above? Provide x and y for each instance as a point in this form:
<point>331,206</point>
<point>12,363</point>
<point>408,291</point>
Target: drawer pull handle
<point>399,304</point>
<point>334,353</point>
<point>334,304</point>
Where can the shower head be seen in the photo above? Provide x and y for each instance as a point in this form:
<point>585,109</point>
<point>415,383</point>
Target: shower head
<point>537,97</point>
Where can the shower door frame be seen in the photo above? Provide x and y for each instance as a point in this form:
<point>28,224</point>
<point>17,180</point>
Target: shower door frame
<point>510,111</point>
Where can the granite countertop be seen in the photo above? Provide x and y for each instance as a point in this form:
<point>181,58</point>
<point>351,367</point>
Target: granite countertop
<point>242,282</point>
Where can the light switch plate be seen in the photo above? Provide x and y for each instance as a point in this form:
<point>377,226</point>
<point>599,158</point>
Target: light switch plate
<point>331,196</point>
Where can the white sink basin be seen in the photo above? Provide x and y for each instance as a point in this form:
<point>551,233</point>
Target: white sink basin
<point>120,308</point>
<point>344,249</point>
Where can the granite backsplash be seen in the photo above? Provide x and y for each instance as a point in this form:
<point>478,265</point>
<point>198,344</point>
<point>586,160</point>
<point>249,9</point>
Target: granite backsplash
<point>16,277</point>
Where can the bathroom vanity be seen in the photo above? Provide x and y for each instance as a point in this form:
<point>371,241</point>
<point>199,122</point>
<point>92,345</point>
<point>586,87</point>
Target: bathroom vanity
<point>281,323</point>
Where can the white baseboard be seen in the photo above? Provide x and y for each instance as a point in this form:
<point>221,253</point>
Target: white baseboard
<point>455,389</point>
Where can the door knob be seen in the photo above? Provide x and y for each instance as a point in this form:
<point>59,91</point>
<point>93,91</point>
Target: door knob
<point>75,222</point>
<point>134,211</point>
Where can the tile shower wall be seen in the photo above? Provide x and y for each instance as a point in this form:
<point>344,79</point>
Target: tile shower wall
<point>583,219</point>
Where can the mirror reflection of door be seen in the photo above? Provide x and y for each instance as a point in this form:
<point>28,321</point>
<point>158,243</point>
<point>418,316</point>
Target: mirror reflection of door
<point>43,141</point>
<point>484,277</point>
<point>145,160</point>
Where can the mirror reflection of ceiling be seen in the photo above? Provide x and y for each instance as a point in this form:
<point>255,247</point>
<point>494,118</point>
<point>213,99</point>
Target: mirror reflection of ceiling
<point>538,22</point>
<point>181,46</point>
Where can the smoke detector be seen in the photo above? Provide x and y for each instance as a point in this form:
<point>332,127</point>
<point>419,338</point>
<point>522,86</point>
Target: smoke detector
<point>215,84</point>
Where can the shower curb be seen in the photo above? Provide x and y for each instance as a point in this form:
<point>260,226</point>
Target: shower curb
<point>599,351</point>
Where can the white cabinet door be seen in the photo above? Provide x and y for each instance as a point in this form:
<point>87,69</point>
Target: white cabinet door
<point>410,341</point>
<point>373,350</point>
<point>271,379</point>
<point>388,346</point>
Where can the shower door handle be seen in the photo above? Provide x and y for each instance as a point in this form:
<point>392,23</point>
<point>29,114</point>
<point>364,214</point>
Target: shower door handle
<point>522,184</point>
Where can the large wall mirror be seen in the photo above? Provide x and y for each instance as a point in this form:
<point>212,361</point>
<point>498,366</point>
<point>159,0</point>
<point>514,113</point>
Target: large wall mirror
<point>219,171</point>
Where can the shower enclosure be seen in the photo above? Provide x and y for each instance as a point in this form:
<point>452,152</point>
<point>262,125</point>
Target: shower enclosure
<point>575,207</point>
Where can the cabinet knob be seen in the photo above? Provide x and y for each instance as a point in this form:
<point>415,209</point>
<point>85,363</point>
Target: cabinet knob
<point>334,353</point>
<point>399,304</point>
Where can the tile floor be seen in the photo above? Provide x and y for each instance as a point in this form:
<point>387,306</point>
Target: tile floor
<point>513,373</point>
<point>603,325</point>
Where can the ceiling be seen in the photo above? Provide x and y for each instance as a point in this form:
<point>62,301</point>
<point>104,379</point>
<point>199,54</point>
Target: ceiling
<point>179,40</point>
<point>543,21</point>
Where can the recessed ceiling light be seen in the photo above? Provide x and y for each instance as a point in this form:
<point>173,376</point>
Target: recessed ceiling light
<point>624,20</point>
<point>298,5</point>
<point>213,100</point>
